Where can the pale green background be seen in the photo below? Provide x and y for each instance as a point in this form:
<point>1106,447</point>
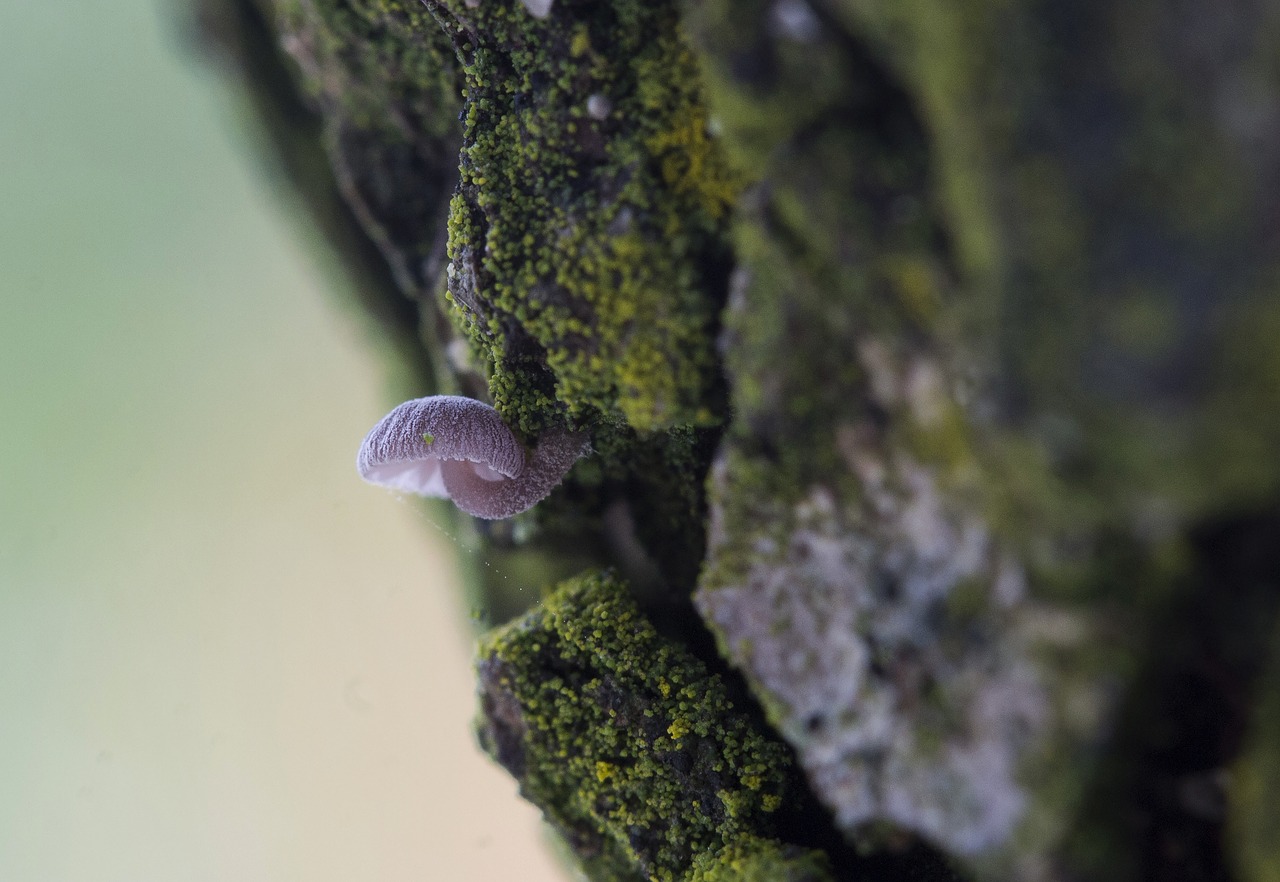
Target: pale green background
<point>222,657</point>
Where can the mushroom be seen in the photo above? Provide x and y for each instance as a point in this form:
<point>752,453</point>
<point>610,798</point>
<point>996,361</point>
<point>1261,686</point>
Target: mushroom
<point>459,448</point>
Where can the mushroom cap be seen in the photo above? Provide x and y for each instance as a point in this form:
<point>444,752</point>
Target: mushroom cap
<point>397,453</point>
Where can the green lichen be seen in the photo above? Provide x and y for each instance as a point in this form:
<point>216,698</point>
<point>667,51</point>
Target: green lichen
<point>587,236</point>
<point>751,859</point>
<point>631,748</point>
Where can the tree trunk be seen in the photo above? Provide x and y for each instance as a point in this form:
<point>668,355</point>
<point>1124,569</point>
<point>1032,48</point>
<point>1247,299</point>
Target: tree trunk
<point>930,353</point>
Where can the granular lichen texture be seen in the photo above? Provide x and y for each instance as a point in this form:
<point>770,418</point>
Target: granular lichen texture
<point>587,237</point>
<point>631,748</point>
<point>750,859</point>
<point>894,653</point>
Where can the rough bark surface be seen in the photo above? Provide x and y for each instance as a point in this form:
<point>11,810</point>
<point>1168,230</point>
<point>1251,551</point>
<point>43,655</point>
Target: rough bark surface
<point>930,351</point>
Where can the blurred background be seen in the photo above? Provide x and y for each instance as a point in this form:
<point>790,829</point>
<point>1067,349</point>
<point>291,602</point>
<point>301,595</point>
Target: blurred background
<point>222,657</point>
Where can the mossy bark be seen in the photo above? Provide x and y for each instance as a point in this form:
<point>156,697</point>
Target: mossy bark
<point>930,351</point>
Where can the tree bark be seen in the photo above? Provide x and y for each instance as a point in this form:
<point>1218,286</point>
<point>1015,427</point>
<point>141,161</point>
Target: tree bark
<point>931,354</point>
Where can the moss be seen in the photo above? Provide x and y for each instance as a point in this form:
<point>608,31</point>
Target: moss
<point>588,255</point>
<point>631,748</point>
<point>750,859</point>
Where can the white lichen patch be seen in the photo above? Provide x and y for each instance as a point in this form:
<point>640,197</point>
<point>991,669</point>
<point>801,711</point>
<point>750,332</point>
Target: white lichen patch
<point>538,8</point>
<point>599,107</point>
<point>886,636</point>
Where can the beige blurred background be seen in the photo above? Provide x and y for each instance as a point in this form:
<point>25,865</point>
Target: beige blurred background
<point>222,657</point>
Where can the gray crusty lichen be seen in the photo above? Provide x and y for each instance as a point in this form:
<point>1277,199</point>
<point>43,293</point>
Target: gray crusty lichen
<point>893,645</point>
<point>629,745</point>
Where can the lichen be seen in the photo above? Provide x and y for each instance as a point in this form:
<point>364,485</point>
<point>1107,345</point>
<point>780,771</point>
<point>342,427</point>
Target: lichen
<point>751,859</point>
<point>632,749</point>
<point>893,649</point>
<point>588,254</point>
<point>857,571</point>
<point>1014,336</point>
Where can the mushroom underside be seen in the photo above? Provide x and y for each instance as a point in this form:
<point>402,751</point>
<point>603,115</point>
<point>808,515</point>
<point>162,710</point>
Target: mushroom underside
<point>557,451</point>
<point>425,477</point>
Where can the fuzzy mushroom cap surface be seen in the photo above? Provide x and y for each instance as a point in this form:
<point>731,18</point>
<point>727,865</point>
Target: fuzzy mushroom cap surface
<point>460,449</point>
<point>407,447</point>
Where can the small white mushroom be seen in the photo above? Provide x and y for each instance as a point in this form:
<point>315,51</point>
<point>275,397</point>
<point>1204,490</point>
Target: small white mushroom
<point>459,448</point>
